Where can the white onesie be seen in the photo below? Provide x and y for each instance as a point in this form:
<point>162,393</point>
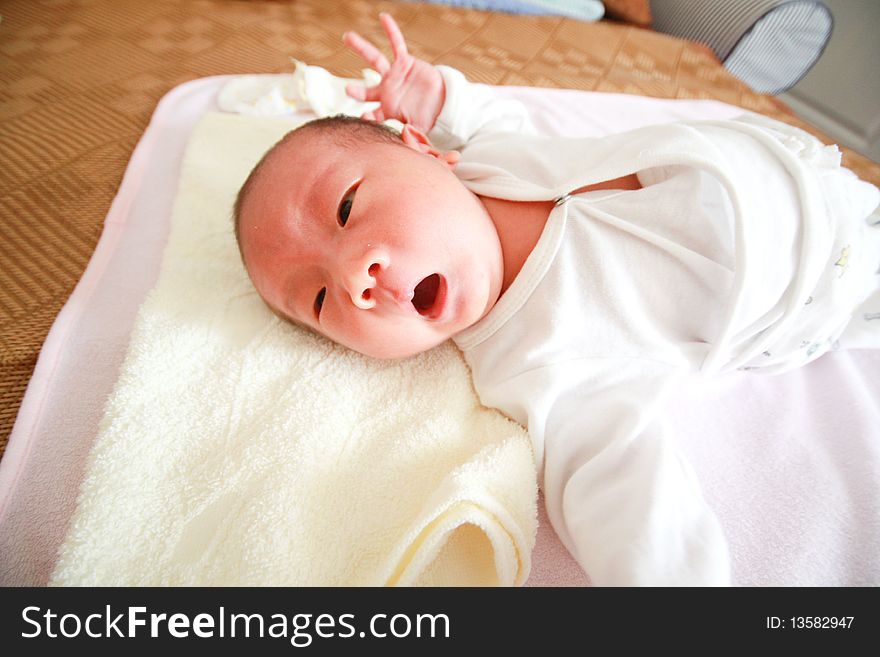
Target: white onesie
<point>747,247</point>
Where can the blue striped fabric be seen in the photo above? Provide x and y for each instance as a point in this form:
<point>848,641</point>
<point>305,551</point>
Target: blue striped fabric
<point>782,46</point>
<point>769,44</point>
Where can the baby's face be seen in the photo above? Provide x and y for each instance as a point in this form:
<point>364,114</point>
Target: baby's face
<point>378,246</point>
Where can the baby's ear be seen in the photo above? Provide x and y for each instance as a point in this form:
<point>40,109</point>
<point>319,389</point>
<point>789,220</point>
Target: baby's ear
<point>416,140</point>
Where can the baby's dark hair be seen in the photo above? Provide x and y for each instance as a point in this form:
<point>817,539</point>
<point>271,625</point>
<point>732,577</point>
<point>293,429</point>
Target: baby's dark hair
<point>344,131</point>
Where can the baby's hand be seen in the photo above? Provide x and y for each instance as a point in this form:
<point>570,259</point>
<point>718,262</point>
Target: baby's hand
<point>411,90</point>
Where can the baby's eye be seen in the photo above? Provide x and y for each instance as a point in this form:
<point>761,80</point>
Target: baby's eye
<point>345,207</point>
<point>319,301</point>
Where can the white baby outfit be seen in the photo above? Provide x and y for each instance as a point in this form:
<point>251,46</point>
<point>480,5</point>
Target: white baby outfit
<point>748,247</point>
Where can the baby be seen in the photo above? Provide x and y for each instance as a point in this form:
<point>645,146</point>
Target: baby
<point>582,279</point>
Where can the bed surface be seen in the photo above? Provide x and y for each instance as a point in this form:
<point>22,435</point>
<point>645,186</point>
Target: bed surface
<point>82,79</point>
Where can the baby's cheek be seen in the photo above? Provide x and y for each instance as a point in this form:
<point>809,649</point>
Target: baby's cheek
<point>354,329</point>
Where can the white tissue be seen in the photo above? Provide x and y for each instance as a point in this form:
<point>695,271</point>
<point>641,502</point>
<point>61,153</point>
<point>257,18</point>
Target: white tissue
<point>310,88</point>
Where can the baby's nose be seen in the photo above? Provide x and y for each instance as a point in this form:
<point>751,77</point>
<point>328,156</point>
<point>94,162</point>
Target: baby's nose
<point>361,277</point>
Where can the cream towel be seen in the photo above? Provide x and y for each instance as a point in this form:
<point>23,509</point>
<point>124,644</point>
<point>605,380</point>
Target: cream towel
<point>239,450</point>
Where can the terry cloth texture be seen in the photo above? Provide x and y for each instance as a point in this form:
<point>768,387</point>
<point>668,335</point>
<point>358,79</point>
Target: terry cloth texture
<point>239,450</point>
<point>81,79</point>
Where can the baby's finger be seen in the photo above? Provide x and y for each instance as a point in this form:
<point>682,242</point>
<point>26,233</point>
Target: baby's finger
<point>367,51</point>
<point>395,36</point>
<point>376,115</point>
<point>356,91</point>
<point>362,93</point>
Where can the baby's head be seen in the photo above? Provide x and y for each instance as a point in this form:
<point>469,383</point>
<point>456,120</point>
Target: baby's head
<point>368,237</point>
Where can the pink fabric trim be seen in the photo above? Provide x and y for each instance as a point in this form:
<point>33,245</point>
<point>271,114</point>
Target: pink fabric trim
<point>41,467</point>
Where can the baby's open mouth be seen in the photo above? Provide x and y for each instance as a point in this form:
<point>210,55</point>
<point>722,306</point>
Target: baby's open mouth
<point>426,296</point>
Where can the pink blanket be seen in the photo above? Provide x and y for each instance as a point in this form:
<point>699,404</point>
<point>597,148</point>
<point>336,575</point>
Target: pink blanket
<point>791,463</point>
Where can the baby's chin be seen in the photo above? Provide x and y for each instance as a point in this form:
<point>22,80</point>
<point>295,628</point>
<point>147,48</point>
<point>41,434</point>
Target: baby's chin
<point>398,350</point>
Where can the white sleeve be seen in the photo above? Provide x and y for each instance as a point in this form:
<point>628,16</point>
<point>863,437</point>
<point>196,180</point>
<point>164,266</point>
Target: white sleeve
<point>618,492</point>
<point>471,110</point>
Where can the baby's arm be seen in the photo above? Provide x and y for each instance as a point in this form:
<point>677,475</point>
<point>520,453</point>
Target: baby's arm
<point>437,101</point>
<point>472,110</point>
<point>618,492</point>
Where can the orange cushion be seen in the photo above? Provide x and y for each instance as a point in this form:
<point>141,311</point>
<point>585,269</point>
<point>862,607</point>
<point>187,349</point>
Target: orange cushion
<point>632,11</point>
